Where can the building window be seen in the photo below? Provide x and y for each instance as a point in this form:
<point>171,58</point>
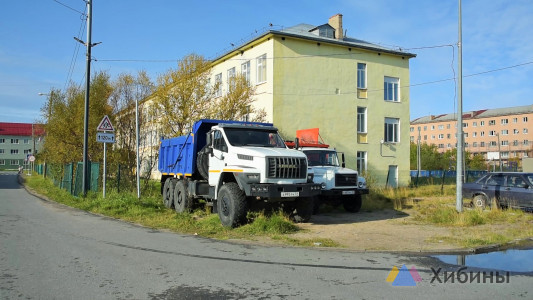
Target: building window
<point>492,122</point>
<point>432,127</point>
<point>474,144</point>
<point>261,69</point>
<point>515,120</point>
<point>392,130</point>
<point>14,141</point>
<point>449,145</point>
<point>361,76</point>
<point>218,85</point>
<point>14,162</point>
<point>432,136</point>
<point>26,141</point>
<point>466,134</point>
<point>516,131</point>
<point>505,143</point>
<point>448,135</point>
<point>425,137</point>
<point>524,131</point>
<point>2,141</point>
<point>412,129</point>
<point>392,89</point>
<point>505,132</point>
<point>515,143</point>
<point>504,121</point>
<point>441,127</point>
<point>14,151</point>
<point>482,133</point>
<point>465,125</point>
<point>441,136</point>
<point>474,124</point>
<point>466,145</point>
<point>492,133</point>
<point>2,151</point>
<point>482,123</point>
<point>425,128</point>
<point>361,161</point>
<point>526,142</point>
<point>28,151</point>
<point>482,144</point>
<point>474,134</point>
<point>361,119</point>
<point>525,119</point>
<point>412,139</point>
<point>441,146</point>
<point>493,144</point>
<point>230,79</point>
<point>505,154</point>
<point>245,70</point>
<point>2,162</point>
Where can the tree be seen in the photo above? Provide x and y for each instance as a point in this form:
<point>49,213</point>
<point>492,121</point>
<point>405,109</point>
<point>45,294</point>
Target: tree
<point>64,114</point>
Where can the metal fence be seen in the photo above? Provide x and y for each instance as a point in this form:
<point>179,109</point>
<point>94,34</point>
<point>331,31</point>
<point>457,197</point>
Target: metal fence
<point>430,177</point>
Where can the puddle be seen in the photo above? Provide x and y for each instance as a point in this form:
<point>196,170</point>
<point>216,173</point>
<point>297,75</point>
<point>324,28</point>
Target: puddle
<point>510,260</point>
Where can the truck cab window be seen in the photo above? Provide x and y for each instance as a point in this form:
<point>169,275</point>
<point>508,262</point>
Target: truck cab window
<point>218,142</point>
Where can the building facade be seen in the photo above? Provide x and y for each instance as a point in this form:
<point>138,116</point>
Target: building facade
<point>355,92</point>
<point>497,134</point>
<point>18,141</point>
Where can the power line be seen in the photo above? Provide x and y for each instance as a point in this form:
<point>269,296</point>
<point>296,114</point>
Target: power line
<point>73,9</point>
<point>76,51</point>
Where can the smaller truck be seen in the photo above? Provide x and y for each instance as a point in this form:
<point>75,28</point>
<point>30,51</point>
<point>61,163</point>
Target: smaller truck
<point>340,185</point>
<point>234,166</point>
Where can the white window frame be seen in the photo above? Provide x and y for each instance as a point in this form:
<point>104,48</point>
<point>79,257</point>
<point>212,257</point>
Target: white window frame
<point>245,70</point>
<point>230,74</point>
<point>261,69</point>
<point>361,76</point>
<point>391,89</point>
<point>218,81</point>
<point>14,151</point>
<point>504,121</point>
<point>361,123</point>
<point>505,132</point>
<point>361,161</point>
<point>14,141</point>
<point>2,162</point>
<point>2,141</point>
<point>15,162</point>
<point>392,130</point>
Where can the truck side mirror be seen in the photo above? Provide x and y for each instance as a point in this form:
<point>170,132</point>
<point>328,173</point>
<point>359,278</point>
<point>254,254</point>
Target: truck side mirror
<point>209,150</point>
<point>343,163</point>
<point>296,143</point>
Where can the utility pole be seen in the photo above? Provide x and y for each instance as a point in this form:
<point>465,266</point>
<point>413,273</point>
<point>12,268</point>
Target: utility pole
<point>137,146</point>
<point>88,82</point>
<point>459,176</point>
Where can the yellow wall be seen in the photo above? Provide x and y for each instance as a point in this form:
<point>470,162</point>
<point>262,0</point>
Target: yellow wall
<point>316,86</point>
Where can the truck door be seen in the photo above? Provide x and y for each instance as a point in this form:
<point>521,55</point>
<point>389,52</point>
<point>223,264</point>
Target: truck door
<point>216,160</point>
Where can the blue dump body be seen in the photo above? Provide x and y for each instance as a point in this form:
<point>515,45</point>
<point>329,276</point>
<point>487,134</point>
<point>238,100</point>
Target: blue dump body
<point>178,155</point>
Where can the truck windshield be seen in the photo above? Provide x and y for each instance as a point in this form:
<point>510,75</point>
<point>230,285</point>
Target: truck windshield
<point>254,137</point>
<point>322,158</point>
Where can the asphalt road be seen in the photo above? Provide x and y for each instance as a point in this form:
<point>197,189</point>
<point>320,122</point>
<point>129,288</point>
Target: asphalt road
<point>49,251</point>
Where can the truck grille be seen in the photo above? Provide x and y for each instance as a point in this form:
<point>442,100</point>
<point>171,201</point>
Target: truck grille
<point>346,180</point>
<point>286,167</point>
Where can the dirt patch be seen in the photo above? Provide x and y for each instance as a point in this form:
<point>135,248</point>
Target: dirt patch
<point>388,230</point>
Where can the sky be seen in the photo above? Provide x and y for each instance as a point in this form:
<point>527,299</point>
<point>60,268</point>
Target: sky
<point>38,52</point>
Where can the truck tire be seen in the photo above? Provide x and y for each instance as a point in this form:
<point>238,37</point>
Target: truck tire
<point>168,192</point>
<point>352,204</point>
<point>202,163</point>
<point>301,209</point>
<point>182,200</point>
<point>231,205</point>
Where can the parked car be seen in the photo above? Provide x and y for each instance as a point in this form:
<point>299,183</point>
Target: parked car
<point>507,189</point>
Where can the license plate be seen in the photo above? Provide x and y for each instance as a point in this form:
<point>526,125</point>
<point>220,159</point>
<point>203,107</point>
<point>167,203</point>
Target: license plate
<point>290,194</point>
<point>348,192</point>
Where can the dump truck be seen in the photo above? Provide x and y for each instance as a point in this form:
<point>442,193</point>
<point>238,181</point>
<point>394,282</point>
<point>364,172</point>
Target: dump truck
<point>232,166</point>
<point>339,185</point>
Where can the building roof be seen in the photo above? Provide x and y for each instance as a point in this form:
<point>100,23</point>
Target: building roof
<point>21,129</point>
<point>476,114</point>
<point>304,31</point>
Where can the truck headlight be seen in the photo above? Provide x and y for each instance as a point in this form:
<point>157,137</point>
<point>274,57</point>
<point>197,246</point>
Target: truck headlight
<point>310,177</point>
<point>323,185</point>
<point>253,177</point>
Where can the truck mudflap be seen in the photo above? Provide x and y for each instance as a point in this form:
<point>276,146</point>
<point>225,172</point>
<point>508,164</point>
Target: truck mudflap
<point>344,192</point>
<point>265,190</point>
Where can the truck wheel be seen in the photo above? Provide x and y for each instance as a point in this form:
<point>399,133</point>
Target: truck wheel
<point>168,192</point>
<point>182,199</point>
<point>202,163</point>
<point>231,205</point>
<point>352,204</point>
<point>302,209</point>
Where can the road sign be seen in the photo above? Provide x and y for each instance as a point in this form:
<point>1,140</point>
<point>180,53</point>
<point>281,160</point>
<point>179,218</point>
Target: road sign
<point>31,158</point>
<point>105,125</point>
<point>105,137</point>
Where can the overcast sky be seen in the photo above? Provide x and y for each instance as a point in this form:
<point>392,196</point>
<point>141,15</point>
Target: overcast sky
<point>38,52</point>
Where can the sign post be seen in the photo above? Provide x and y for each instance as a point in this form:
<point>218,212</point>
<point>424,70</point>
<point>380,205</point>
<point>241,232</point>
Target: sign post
<point>105,137</point>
